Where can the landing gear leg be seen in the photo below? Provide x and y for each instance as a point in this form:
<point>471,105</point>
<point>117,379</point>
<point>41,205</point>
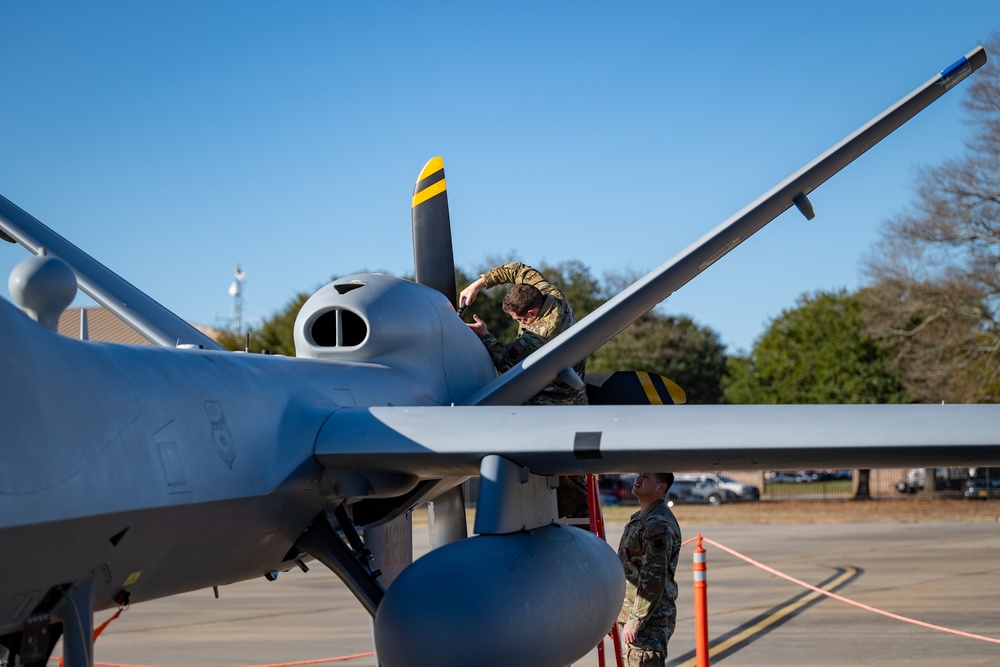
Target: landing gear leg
<point>76,610</point>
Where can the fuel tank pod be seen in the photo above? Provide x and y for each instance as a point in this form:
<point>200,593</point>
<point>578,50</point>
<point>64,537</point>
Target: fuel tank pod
<point>544,597</point>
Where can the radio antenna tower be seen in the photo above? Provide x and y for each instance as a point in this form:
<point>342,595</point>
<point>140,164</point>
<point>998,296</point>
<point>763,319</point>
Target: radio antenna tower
<point>236,291</point>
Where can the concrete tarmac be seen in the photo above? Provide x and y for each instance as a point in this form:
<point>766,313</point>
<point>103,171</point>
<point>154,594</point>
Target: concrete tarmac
<point>938,573</point>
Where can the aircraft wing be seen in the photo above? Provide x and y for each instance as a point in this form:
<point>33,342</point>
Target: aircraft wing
<point>527,378</point>
<point>434,442</point>
<point>151,319</point>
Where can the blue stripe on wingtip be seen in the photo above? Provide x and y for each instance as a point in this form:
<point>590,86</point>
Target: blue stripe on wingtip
<point>959,65</point>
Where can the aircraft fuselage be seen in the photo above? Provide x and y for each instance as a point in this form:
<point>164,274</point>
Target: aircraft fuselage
<point>106,444</point>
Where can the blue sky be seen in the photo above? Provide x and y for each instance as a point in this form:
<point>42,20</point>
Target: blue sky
<point>172,140</point>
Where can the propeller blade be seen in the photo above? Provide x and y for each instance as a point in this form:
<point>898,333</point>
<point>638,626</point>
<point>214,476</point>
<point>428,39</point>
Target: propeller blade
<point>433,257</point>
<point>434,266</point>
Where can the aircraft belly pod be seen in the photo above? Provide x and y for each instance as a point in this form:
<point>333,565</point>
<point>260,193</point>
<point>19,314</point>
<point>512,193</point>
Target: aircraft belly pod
<point>531,597</point>
<point>135,472</point>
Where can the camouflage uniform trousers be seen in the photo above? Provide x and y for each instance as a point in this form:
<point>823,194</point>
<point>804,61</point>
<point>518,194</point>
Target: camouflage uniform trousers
<point>572,497</point>
<point>643,657</point>
<point>650,649</point>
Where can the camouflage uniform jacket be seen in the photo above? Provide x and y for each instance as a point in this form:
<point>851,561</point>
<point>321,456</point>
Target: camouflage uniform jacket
<point>649,549</point>
<point>554,317</point>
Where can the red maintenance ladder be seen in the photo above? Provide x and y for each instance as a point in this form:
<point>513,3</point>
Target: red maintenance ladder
<point>597,528</point>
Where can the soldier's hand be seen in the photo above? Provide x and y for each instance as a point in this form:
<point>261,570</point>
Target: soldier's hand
<point>478,326</point>
<point>470,292</point>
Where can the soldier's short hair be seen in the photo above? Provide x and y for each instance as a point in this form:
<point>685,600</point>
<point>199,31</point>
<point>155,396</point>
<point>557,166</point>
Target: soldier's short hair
<point>521,298</point>
<point>665,478</point>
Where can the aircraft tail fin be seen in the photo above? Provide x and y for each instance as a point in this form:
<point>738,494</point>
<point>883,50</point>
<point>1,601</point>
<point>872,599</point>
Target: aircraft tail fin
<point>151,319</point>
<point>633,388</point>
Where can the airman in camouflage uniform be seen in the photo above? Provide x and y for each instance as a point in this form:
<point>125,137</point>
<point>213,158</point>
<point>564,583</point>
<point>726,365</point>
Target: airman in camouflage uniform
<point>541,312</point>
<point>536,326</point>
<point>649,550</point>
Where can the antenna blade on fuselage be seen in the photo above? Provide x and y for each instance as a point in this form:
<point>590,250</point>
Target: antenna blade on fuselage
<point>531,375</point>
<point>150,319</point>
<point>433,256</point>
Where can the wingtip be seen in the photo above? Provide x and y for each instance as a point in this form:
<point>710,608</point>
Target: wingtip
<point>977,57</point>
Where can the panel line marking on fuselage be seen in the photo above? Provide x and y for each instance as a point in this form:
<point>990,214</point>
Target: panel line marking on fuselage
<point>755,628</point>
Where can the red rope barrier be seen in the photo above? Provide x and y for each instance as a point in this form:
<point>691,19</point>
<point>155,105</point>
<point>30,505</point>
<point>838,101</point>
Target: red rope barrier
<point>318,661</point>
<point>841,598</point>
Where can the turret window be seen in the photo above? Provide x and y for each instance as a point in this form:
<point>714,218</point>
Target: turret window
<point>339,328</point>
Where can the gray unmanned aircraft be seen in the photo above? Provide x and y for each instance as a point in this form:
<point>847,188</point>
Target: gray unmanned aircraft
<point>132,473</point>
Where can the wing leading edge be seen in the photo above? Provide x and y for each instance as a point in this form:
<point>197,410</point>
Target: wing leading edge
<point>527,378</point>
<point>135,308</point>
<point>434,442</point>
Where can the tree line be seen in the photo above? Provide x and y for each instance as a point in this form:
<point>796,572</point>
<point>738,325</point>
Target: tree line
<point>923,328</point>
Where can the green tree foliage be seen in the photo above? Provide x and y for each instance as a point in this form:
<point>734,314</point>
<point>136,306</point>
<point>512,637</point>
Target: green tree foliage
<point>936,271</point>
<point>584,292</point>
<point>818,352</point>
<point>689,354</point>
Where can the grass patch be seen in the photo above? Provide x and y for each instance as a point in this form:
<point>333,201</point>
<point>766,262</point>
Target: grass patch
<point>841,488</point>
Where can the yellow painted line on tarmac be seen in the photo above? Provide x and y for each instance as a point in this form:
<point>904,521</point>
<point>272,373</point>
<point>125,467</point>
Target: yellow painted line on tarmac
<point>777,615</point>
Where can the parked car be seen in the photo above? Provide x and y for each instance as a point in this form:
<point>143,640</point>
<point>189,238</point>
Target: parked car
<point>786,477</point>
<point>983,484</point>
<point>699,491</point>
<point>914,481</point>
<point>739,490</point>
<point>803,476</point>
<point>945,479</point>
<point>616,489</point>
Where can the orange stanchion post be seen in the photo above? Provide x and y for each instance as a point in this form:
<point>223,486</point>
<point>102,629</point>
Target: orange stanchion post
<point>700,605</point>
<point>594,507</point>
<point>597,528</point>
